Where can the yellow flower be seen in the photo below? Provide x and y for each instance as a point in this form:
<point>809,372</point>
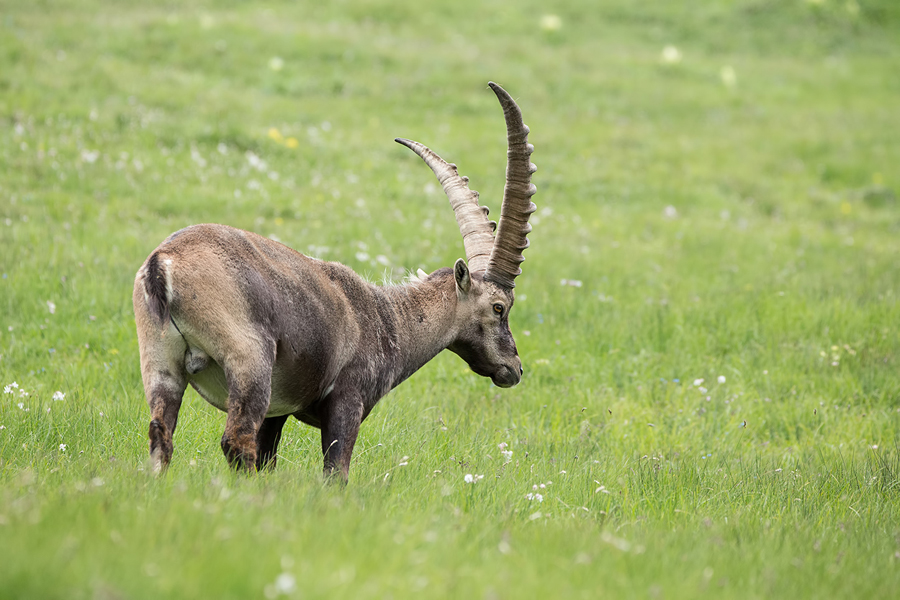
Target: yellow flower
<point>275,135</point>
<point>291,142</point>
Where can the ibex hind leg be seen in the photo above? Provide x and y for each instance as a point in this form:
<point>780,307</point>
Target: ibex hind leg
<point>164,407</point>
<point>249,377</point>
<point>162,369</point>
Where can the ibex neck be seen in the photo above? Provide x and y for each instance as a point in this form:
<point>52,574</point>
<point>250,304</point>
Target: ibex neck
<point>425,313</point>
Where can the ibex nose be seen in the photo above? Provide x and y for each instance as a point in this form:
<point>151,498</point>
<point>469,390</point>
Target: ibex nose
<point>521,370</point>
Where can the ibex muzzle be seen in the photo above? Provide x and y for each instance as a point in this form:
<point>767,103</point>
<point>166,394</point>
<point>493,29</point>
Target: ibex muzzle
<point>263,332</point>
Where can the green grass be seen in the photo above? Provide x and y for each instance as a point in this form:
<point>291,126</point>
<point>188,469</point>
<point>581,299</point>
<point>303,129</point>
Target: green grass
<point>776,267</point>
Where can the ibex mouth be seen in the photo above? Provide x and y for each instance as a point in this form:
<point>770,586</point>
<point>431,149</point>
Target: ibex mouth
<point>506,377</point>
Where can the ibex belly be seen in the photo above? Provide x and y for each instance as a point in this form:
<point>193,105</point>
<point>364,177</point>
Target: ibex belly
<point>293,389</point>
<point>210,384</point>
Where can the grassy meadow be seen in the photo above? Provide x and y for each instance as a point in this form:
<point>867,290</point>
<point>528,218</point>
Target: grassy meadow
<point>708,316</point>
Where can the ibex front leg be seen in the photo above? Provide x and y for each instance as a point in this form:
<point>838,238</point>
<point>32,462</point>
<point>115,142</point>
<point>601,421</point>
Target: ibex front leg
<point>249,377</point>
<point>340,426</point>
<point>267,442</point>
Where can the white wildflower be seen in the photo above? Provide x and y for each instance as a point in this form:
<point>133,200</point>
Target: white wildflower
<point>8,389</point>
<point>469,478</point>
<point>721,379</point>
<point>59,396</point>
<point>698,382</point>
<point>90,156</point>
<point>285,583</point>
<point>729,76</point>
<point>551,22</point>
<point>51,307</point>
<point>671,55</point>
<point>198,158</point>
<point>62,447</point>
<point>256,162</point>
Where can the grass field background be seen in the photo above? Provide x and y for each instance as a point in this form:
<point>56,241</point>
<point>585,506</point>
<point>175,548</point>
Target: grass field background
<point>708,315</point>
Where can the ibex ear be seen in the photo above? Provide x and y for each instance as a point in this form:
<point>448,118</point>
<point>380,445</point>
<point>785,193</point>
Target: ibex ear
<point>461,273</point>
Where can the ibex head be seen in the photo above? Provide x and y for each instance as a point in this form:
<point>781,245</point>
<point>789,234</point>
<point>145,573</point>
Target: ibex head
<point>483,339</point>
<point>485,285</point>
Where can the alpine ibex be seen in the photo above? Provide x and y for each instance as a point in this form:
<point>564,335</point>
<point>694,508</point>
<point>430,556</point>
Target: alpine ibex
<point>263,332</point>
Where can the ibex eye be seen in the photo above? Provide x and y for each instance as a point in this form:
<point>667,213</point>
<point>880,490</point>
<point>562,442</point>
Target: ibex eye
<point>498,308</point>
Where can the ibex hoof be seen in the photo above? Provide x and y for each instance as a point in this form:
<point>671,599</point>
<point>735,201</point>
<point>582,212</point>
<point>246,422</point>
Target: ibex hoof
<point>241,456</point>
<point>160,446</point>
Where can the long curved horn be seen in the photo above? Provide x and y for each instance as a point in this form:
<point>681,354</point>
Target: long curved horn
<point>511,240</point>
<point>477,231</point>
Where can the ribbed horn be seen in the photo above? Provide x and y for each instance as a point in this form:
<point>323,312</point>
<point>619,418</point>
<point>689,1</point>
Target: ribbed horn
<point>477,231</point>
<point>511,240</point>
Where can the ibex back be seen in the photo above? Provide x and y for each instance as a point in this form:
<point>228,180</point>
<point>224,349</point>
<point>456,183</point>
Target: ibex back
<point>263,332</point>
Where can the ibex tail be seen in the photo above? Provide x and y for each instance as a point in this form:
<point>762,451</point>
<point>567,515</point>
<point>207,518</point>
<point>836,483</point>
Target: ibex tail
<point>155,289</point>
